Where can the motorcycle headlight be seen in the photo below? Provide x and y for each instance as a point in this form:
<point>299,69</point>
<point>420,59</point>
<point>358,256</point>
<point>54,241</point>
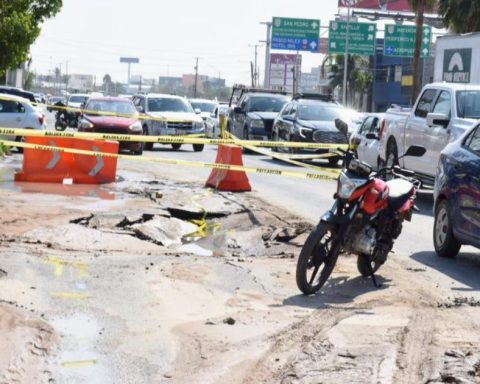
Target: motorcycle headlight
<point>85,124</point>
<point>257,123</point>
<point>198,125</point>
<point>136,127</point>
<point>346,186</point>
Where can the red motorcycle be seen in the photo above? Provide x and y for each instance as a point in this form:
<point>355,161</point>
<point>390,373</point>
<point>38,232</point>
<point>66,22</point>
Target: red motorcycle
<point>365,220</point>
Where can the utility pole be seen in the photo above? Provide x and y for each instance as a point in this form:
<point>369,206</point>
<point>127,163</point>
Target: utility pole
<point>266,82</point>
<point>196,79</point>
<point>252,74</point>
<point>66,77</point>
<point>345,60</point>
<point>255,72</point>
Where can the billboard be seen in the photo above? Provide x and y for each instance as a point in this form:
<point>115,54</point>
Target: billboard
<point>379,5</point>
<point>281,70</point>
<point>129,60</point>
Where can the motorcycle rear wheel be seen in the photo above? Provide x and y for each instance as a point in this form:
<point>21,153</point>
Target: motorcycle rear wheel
<point>317,258</point>
<point>60,127</point>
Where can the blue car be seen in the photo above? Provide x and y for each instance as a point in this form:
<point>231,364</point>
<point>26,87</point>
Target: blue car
<point>457,196</point>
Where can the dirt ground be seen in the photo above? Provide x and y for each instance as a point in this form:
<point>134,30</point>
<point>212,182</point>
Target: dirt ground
<point>158,282</point>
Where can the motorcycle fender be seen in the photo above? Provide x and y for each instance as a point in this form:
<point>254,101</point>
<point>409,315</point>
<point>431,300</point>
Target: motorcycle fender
<point>332,218</point>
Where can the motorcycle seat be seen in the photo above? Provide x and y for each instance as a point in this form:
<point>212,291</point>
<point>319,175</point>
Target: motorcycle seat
<point>399,192</point>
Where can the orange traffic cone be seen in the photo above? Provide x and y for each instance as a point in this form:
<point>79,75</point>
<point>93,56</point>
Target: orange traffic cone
<point>227,180</point>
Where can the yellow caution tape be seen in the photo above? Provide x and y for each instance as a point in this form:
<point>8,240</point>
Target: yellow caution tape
<point>287,160</point>
<point>78,363</point>
<point>264,171</point>
<point>166,139</point>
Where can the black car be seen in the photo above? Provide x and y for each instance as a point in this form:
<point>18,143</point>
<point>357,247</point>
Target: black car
<point>312,120</point>
<point>18,92</point>
<point>252,118</point>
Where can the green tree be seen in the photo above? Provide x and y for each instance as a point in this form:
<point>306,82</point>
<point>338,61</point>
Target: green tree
<point>420,7</point>
<point>20,22</point>
<point>460,16</point>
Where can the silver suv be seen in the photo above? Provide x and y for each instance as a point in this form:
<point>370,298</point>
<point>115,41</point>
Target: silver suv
<point>168,115</point>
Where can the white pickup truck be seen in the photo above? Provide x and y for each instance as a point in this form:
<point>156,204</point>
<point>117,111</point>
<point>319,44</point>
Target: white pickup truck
<point>442,113</point>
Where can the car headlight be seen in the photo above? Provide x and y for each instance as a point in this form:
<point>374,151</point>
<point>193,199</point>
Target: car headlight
<point>304,131</point>
<point>198,125</point>
<point>346,186</point>
<point>136,127</point>
<point>85,124</point>
<point>257,123</point>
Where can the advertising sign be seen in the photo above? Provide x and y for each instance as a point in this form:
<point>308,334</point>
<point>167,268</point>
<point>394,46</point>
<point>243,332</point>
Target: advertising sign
<point>457,64</point>
<point>379,5</point>
<point>282,70</point>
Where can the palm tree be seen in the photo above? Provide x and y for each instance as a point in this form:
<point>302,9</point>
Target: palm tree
<point>419,6</point>
<point>460,16</point>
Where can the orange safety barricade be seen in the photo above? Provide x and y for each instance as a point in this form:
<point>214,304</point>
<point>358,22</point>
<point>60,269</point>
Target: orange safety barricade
<point>227,180</point>
<point>43,166</point>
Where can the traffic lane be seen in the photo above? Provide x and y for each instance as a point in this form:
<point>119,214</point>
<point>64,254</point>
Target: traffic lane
<point>306,198</point>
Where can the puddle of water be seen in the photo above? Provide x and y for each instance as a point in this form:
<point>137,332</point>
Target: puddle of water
<point>195,249</point>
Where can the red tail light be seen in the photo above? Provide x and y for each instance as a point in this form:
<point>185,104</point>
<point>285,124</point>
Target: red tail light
<point>382,129</point>
<point>41,119</point>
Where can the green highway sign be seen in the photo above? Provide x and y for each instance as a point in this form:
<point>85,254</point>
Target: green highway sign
<point>295,34</point>
<point>400,41</point>
<point>361,38</point>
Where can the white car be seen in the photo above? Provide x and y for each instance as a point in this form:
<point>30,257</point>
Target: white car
<point>366,139</point>
<point>212,124</point>
<point>77,100</point>
<point>17,112</point>
<point>203,107</point>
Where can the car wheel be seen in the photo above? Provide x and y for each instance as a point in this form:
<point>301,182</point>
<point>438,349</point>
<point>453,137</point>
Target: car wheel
<point>198,147</point>
<point>176,146</point>
<point>147,146</point>
<point>246,137</point>
<point>443,238</point>
<point>333,161</point>
<point>139,151</point>
<point>392,154</point>
<point>20,139</point>
<point>274,138</point>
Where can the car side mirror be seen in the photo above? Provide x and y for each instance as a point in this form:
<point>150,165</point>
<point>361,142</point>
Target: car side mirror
<point>437,119</point>
<point>238,110</point>
<point>415,151</point>
<point>140,109</point>
<point>198,111</point>
<point>213,115</point>
<point>372,136</point>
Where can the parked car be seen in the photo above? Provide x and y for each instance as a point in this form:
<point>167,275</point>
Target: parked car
<point>366,139</point>
<point>18,92</point>
<point>212,124</point>
<point>256,109</point>
<point>53,100</point>
<point>203,107</point>
<point>457,196</point>
<point>168,115</point>
<point>443,113</point>
<point>312,120</point>
<point>77,100</point>
<point>18,113</point>
<point>97,118</point>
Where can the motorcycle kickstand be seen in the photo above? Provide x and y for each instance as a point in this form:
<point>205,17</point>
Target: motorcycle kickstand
<point>372,274</point>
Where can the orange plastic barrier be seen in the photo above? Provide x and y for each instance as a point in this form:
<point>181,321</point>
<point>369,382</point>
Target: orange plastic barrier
<point>227,180</point>
<point>53,167</point>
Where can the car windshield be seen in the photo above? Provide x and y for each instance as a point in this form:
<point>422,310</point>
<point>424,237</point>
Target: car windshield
<point>317,112</point>
<point>168,105</point>
<point>78,99</point>
<point>468,104</point>
<point>223,110</point>
<point>97,107</point>
<point>267,104</point>
<point>203,106</point>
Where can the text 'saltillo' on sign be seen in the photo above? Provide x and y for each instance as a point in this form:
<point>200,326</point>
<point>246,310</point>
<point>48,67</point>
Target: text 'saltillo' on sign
<point>361,38</point>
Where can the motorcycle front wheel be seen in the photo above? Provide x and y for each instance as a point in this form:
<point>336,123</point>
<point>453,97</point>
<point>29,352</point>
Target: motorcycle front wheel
<point>318,258</point>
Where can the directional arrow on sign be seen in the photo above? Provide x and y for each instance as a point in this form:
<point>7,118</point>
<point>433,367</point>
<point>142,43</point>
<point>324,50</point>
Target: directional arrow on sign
<point>314,25</point>
<point>99,166</point>
<point>313,45</point>
<point>426,40</point>
<point>425,51</point>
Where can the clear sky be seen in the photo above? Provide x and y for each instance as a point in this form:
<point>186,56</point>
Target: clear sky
<point>167,36</point>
